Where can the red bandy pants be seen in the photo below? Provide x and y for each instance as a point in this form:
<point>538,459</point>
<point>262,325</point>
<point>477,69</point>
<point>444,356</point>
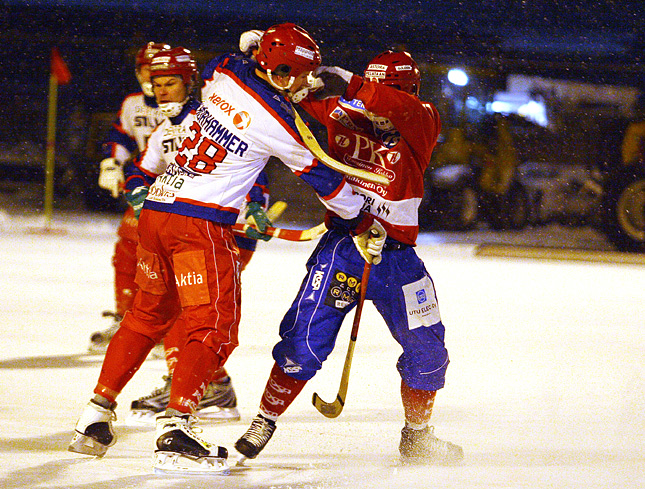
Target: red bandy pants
<point>185,266</point>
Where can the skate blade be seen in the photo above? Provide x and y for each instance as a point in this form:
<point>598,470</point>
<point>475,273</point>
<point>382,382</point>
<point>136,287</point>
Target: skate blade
<point>86,446</point>
<point>142,418</point>
<point>217,414</point>
<point>430,459</point>
<point>95,349</point>
<point>176,463</point>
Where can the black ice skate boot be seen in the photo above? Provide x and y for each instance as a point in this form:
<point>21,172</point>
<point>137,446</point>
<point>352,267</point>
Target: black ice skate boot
<point>99,340</point>
<point>422,446</point>
<point>256,437</point>
<point>144,410</point>
<point>94,432</point>
<point>219,402</point>
<point>179,449</point>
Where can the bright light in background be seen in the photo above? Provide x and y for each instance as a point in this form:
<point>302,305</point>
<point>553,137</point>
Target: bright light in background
<point>534,111</point>
<point>458,77</point>
<point>472,103</point>
<point>520,103</point>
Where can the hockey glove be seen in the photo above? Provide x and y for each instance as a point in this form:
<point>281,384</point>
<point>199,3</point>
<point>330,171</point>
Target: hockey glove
<point>250,40</point>
<point>136,199</point>
<point>370,243</point>
<point>335,80</point>
<point>257,221</point>
<point>111,176</point>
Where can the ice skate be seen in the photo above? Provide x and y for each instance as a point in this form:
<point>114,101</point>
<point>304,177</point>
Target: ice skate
<point>180,450</point>
<point>422,446</point>
<point>94,432</point>
<point>144,410</point>
<point>219,402</point>
<point>256,437</point>
<point>99,340</point>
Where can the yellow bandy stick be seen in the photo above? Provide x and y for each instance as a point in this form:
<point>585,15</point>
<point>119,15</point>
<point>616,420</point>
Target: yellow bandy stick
<point>288,234</point>
<point>276,210</point>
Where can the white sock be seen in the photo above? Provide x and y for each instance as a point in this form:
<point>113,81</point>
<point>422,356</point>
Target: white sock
<point>415,426</point>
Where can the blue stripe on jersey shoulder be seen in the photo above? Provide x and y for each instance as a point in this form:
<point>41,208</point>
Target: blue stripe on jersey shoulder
<point>115,136</point>
<point>244,69</point>
<point>322,179</point>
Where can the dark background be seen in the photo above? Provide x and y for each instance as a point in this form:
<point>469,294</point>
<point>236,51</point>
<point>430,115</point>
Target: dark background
<point>595,42</point>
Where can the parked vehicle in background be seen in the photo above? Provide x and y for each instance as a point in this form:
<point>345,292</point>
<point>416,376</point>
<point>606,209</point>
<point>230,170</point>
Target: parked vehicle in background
<point>623,208</point>
<point>474,177</point>
<point>569,194</point>
<point>623,202</point>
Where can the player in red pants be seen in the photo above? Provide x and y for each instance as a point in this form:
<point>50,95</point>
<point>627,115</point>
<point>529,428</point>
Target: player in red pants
<point>187,260</point>
<point>138,116</point>
<point>174,77</point>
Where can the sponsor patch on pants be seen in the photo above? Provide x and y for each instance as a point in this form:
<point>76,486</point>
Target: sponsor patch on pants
<point>343,290</point>
<point>148,275</point>
<point>421,303</point>
<point>191,278</point>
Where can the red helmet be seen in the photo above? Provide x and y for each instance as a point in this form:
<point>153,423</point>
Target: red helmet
<point>288,50</point>
<point>397,70</point>
<point>145,54</point>
<point>175,61</point>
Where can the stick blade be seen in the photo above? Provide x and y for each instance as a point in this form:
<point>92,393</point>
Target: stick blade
<point>328,409</point>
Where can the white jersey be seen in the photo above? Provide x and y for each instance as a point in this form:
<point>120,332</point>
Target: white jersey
<point>241,123</point>
<point>137,118</point>
<point>164,143</point>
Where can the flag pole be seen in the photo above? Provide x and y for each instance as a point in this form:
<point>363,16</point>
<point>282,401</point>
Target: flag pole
<point>51,150</point>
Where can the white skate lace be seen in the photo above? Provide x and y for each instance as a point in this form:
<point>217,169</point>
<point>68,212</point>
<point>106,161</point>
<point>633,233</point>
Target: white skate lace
<point>259,432</point>
<point>191,430</point>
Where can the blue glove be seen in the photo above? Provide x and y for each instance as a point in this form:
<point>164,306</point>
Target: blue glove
<point>136,199</point>
<point>256,218</point>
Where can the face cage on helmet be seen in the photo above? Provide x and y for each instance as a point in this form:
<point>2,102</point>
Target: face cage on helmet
<point>173,109</point>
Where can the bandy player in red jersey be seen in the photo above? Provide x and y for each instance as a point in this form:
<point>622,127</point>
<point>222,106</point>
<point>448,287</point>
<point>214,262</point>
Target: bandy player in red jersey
<point>188,262</point>
<point>138,116</point>
<point>378,124</point>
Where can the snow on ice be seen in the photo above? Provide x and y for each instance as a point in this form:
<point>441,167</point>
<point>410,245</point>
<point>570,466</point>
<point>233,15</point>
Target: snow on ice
<point>545,387</point>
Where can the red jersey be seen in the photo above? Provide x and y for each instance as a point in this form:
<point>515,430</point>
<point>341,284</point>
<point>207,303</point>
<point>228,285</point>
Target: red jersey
<point>389,132</point>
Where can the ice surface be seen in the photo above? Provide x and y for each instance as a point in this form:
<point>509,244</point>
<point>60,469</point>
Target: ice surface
<point>545,389</point>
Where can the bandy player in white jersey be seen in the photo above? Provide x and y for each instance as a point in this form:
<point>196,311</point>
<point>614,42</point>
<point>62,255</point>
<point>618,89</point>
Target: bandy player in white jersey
<point>137,118</point>
<point>188,262</point>
<point>174,77</point>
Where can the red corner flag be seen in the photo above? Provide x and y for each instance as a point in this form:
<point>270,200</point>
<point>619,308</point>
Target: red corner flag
<point>59,68</point>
